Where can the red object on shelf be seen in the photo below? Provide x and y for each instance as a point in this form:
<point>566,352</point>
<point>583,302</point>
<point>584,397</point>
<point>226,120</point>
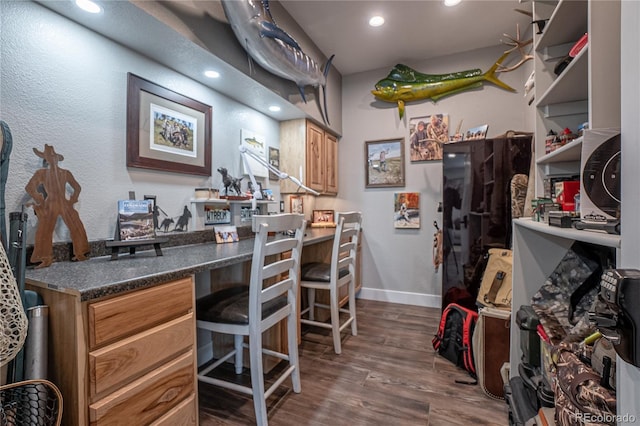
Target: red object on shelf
<point>565,192</point>
<point>579,45</point>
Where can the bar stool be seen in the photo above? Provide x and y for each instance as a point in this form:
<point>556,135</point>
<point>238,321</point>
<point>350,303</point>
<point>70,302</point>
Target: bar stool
<point>250,310</point>
<point>334,276</point>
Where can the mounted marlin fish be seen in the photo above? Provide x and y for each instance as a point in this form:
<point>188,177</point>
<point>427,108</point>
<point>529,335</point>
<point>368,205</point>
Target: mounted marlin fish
<point>274,49</point>
<point>404,84</point>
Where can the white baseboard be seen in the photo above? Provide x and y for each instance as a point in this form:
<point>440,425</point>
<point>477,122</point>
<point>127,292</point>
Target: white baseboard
<point>402,297</point>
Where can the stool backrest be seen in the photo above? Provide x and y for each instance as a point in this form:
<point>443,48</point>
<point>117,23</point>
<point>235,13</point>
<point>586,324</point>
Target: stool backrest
<point>275,266</point>
<point>345,245</point>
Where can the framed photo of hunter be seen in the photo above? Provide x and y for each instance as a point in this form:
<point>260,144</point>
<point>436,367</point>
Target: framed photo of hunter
<point>166,130</point>
<point>426,136</point>
<point>384,165</point>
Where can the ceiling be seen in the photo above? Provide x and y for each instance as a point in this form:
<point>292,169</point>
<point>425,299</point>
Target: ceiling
<point>414,31</point>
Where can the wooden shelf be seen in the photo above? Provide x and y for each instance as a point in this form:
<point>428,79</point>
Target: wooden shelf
<point>588,236</point>
<point>569,152</point>
<point>571,85</point>
<point>567,24</point>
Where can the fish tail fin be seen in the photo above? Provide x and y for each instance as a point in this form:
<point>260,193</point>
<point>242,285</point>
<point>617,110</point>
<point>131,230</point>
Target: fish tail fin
<point>301,90</point>
<point>325,113</point>
<point>401,108</point>
<point>490,75</point>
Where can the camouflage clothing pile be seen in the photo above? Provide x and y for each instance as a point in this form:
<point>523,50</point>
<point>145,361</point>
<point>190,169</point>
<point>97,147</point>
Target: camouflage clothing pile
<point>563,302</point>
<point>579,397</point>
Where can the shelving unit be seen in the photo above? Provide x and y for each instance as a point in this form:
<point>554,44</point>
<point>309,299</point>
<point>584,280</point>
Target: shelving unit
<point>588,90</point>
<point>198,219</point>
<point>538,248</point>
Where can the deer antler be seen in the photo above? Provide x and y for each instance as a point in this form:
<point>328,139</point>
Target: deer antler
<point>520,46</point>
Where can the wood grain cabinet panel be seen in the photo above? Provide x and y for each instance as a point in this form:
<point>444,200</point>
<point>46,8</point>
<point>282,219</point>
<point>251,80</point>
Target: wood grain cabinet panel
<point>122,316</point>
<point>147,398</point>
<point>120,361</point>
<point>184,414</point>
<point>308,149</point>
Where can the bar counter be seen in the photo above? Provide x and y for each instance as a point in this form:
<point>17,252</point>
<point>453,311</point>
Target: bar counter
<point>100,276</point>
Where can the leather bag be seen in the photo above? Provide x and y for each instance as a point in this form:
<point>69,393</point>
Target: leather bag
<point>491,349</point>
<point>495,288</point>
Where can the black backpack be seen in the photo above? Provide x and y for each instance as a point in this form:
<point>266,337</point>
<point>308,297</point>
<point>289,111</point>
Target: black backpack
<point>453,340</point>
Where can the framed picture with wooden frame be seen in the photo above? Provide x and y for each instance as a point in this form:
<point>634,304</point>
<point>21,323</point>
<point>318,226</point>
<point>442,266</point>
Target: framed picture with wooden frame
<point>323,216</point>
<point>166,130</point>
<point>384,166</point>
<point>295,204</point>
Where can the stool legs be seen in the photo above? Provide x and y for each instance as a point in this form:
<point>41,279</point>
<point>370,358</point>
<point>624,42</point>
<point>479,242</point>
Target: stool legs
<point>257,378</point>
<point>335,322</point>
<point>238,339</point>
<point>311,292</point>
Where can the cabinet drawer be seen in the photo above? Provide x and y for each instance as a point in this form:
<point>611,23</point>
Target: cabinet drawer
<point>185,414</point>
<point>119,362</point>
<point>125,315</point>
<point>148,398</point>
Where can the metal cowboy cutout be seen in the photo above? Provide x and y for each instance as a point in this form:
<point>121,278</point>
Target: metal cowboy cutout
<point>48,188</point>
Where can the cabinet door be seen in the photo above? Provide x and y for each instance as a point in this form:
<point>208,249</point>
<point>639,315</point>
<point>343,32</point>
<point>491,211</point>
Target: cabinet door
<point>315,159</point>
<point>331,158</point>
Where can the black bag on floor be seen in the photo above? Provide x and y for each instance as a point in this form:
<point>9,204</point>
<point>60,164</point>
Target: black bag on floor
<point>453,340</point>
<point>522,401</point>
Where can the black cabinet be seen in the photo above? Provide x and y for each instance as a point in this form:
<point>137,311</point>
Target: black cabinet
<point>477,207</point>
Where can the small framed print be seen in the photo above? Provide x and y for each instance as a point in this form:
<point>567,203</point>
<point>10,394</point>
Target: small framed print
<point>406,206</point>
<point>226,234</point>
<point>323,216</point>
<point>295,204</point>
<point>384,166</point>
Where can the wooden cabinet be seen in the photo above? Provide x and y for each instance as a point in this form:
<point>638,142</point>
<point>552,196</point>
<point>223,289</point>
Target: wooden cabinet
<point>588,90</point>
<point>128,359</point>
<point>308,150</point>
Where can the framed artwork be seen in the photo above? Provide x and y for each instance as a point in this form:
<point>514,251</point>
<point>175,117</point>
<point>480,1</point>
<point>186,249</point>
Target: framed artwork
<point>274,160</point>
<point>166,130</point>
<point>323,216</point>
<point>406,207</point>
<point>256,144</point>
<point>226,234</point>
<point>426,136</point>
<point>475,133</point>
<point>385,163</point>
<point>295,204</point>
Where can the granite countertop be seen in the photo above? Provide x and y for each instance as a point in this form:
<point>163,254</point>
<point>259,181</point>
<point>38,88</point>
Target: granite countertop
<point>100,276</point>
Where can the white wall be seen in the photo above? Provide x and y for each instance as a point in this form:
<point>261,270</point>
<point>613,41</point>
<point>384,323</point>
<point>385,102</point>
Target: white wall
<point>397,263</point>
<point>64,85</point>
<point>629,390</point>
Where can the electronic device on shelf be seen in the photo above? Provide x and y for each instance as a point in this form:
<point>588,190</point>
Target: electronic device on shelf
<point>620,291</point>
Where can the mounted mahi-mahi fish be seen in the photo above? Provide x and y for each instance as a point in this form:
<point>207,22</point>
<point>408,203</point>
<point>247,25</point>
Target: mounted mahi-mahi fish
<point>274,49</point>
<point>404,84</point>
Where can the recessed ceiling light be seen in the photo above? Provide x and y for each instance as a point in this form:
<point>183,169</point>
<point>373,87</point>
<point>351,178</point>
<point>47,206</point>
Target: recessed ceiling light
<point>88,6</point>
<point>212,74</point>
<point>376,21</point>
<point>451,2</point>
<point>274,108</point>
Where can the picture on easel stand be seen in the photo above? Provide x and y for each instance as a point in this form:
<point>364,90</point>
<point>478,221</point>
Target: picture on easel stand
<point>135,220</point>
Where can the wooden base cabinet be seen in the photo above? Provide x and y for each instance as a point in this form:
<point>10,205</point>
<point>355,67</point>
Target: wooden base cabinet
<point>307,149</point>
<point>128,359</point>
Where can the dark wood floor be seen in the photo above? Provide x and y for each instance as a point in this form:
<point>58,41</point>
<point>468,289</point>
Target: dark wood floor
<point>387,375</point>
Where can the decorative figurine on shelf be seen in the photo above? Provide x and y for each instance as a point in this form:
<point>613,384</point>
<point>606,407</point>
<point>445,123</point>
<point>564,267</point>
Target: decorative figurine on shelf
<point>183,220</point>
<point>47,187</point>
<point>230,182</point>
